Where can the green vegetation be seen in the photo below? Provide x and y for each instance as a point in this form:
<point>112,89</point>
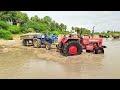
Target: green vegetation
<point>81,30</point>
<point>14,29</point>
<point>16,22</point>
<point>3,25</point>
<point>108,33</point>
<point>5,34</point>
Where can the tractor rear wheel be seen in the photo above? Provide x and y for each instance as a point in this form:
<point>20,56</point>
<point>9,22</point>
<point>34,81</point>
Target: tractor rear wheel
<point>36,43</point>
<point>72,48</point>
<point>99,50</point>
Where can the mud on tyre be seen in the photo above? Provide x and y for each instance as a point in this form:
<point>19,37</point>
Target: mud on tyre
<point>67,50</point>
<point>36,43</point>
<point>99,50</point>
<point>47,45</point>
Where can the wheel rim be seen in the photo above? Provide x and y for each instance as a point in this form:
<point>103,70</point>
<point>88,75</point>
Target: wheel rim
<point>47,47</point>
<point>73,50</point>
<point>35,43</point>
<point>99,51</point>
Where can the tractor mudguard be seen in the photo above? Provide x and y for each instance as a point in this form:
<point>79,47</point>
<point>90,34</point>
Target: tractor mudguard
<point>63,40</point>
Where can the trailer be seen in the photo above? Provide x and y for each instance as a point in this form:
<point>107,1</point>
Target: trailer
<point>38,40</point>
<point>27,40</point>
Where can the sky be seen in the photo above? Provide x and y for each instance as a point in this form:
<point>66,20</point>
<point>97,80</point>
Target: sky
<point>102,20</point>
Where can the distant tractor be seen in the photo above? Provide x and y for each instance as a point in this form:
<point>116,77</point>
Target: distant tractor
<point>75,45</point>
<point>104,36</point>
<point>38,40</point>
<point>116,36</point>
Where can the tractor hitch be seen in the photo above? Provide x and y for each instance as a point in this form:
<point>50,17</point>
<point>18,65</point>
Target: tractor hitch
<point>104,46</point>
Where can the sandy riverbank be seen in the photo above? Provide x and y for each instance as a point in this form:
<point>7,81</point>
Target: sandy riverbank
<point>42,53</point>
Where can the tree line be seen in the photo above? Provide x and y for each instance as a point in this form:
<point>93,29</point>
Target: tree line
<point>16,22</point>
<point>108,33</point>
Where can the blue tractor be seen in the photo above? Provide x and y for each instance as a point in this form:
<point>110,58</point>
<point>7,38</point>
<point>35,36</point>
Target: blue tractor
<point>44,39</point>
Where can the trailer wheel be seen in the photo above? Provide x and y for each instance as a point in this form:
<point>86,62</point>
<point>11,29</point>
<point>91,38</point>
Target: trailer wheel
<point>99,50</point>
<point>72,48</point>
<point>36,43</point>
<point>24,42</point>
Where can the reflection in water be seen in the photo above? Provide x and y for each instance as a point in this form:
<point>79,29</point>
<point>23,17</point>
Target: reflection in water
<point>25,64</point>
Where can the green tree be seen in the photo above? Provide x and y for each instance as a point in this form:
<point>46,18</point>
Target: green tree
<point>47,19</point>
<point>14,17</point>
<point>35,18</point>
<point>38,27</point>
<point>3,25</point>
<point>52,26</point>
<point>21,18</point>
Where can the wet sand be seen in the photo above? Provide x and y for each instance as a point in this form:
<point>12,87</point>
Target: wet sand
<point>17,61</point>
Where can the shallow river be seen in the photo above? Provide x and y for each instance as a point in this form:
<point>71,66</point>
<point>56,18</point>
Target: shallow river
<point>25,64</point>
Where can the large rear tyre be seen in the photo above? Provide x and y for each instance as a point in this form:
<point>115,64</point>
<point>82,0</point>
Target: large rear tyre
<point>99,50</point>
<point>36,43</point>
<point>72,48</point>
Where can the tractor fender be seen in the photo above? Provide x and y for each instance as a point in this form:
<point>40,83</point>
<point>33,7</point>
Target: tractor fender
<point>70,39</point>
<point>63,40</point>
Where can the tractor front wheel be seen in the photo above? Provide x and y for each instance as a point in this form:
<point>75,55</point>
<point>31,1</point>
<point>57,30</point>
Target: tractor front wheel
<point>99,50</point>
<point>72,48</point>
<point>88,51</point>
<point>47,45</point>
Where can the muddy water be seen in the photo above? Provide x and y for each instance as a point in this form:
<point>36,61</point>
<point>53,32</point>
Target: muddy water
<point>27,63</point>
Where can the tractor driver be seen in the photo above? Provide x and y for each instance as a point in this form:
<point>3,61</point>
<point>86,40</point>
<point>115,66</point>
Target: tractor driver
<point>63,38</point>
<point>95,45</point>
<point>81,39</point>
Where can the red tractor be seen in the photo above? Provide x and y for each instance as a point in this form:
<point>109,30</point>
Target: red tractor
<point>75,45</point>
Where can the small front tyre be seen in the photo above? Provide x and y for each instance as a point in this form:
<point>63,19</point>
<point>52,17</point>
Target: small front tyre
<point>99,51</point>
<point>47,45</point>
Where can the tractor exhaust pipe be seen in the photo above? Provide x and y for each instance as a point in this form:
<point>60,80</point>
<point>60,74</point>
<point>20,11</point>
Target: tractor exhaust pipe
<point>93,32</point>
<point>80,33</point>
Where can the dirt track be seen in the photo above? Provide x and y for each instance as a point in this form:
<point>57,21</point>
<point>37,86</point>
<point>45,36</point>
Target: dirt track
<point>42,53</point>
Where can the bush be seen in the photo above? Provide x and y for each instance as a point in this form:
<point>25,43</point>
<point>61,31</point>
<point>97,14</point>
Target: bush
<point>30,30</point>
<point>5,34</point>
<point>3,25</point>
<point>23,29</point>
<point>14,29</point>
<point>56,32</point>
